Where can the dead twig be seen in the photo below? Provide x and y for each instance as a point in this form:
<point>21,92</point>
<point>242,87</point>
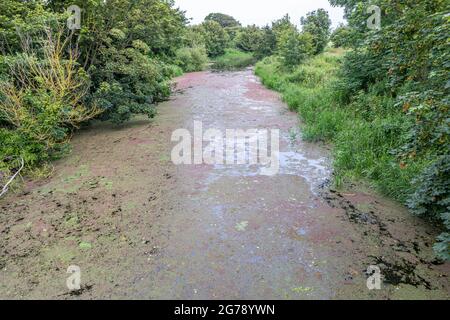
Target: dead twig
<point>5,187</point>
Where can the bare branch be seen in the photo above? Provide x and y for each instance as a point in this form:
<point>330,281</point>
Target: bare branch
<point>6,186</point>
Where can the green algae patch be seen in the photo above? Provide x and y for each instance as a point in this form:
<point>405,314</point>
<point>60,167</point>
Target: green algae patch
<point>69,184</point>
<point>85,246</point>
<point>72,221</point>
<point>242,226</point>
<point>300,290</point>
<point>58,254</point>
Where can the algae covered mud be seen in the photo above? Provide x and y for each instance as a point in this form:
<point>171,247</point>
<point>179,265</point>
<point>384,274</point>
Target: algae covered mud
<point>140,227</point>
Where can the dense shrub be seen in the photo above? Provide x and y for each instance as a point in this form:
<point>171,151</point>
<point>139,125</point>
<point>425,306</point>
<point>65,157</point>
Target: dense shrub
<point>431,198</point>
<point>341,37</point>
<point>192,59</point>
<point>295,47</point>
<point>53,80</point>
<point>406,61</point>
<point>42,100</point>
<point>249,38</point>
<point>128,82</point>
<point>19,18</point>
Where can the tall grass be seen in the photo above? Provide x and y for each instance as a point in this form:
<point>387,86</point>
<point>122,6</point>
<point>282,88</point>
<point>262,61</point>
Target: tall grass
<point>233,60</point>
<point>363,132</point>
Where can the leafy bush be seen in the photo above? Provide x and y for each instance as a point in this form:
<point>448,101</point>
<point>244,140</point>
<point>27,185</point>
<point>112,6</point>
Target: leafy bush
<point>42,100</point>
<point>192,59</point>
<point>295,47</point>
<point>128,82</point>
<point>19,18</point>
<point>225,20</point>
<point>431,198</point>
<point>341,37</point>
<point>52,81</point>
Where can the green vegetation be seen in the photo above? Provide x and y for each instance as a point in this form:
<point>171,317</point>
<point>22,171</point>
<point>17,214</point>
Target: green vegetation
<point>341,36</point>
<point>309,90</point>
<point>215,37</point>
<point>383,103</point>
<point>402,69</point>
<point>192,59</point>
<point>233,59</point>
<point>249,38</point>
<point>317,24</point>
<point>225,21</point>
<point>54,80</point>
<point>294,47</point>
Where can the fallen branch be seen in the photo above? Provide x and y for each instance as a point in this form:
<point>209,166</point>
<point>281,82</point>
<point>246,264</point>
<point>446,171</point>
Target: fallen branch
<point>5,187</point>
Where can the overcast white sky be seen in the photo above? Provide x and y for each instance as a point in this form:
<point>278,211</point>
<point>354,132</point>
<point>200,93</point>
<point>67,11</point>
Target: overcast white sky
<point>259,12</point>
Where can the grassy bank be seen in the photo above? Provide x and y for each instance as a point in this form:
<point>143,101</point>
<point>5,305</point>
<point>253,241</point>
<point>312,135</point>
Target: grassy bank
<point>233,60</point>
<point>369,130</point>
<point>363,132</point>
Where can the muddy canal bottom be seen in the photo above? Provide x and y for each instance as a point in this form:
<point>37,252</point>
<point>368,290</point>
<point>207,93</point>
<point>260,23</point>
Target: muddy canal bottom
<point>140,227</point>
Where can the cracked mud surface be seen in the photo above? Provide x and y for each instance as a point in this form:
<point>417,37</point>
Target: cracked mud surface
<point>141,228</point>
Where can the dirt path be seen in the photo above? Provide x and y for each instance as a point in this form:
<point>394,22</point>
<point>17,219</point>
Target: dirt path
<point>140,227</point>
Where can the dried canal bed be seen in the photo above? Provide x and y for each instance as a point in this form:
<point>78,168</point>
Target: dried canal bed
<point>140,227</point>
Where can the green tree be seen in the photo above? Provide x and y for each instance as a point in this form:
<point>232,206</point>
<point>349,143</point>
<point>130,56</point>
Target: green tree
<point>295,47</point>
<point>318,24</point>
<point>249,38</point>
<point>341,37</point>
<point>225,21</point>
<point>216,38</point>
<point>282,24</point>
<point>280,27</point>
<point>268,44</point>
<point>22,18</point>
